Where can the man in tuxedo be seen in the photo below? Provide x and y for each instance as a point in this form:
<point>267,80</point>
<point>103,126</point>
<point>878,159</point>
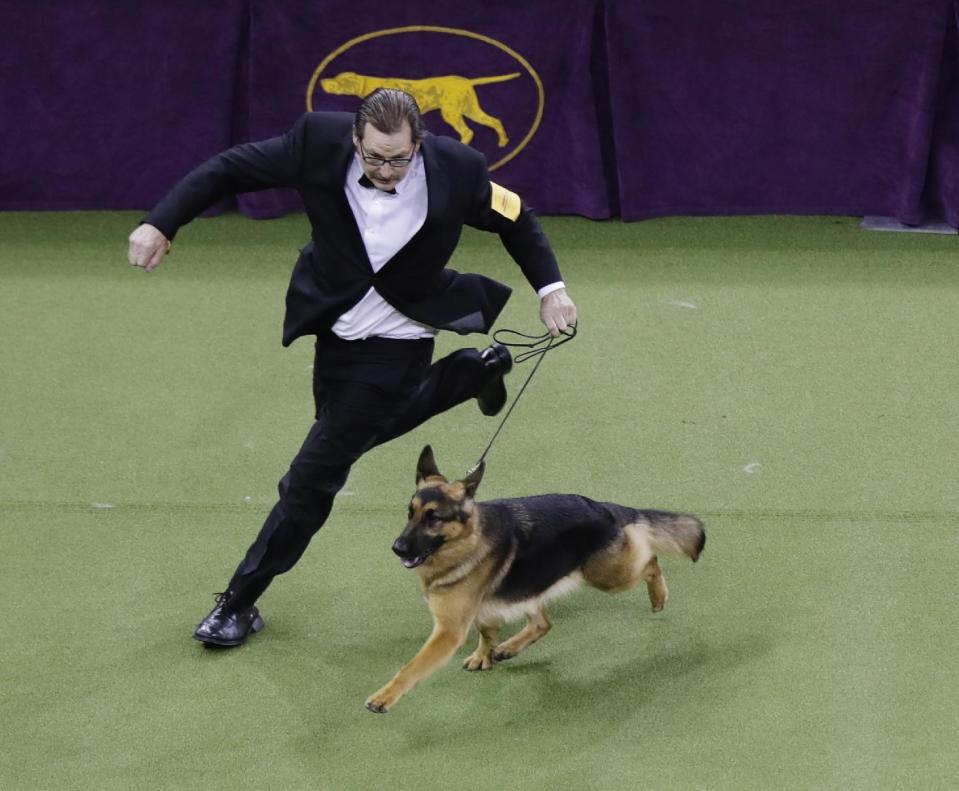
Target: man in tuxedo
<point>386,202</point>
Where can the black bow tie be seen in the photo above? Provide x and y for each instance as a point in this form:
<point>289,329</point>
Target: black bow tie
<point>365,182</point>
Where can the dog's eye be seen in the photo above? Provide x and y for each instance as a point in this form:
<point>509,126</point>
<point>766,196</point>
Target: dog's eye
<point>409,515</point>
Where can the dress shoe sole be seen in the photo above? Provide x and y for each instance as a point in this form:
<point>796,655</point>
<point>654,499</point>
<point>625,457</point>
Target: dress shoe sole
<point>493,396</point>
<point>218,642</point>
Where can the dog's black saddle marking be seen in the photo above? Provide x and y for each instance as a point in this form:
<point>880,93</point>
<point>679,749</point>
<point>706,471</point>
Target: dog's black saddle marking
<point>553,535</point>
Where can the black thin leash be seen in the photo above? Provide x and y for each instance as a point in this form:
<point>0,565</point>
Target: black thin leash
<point>534,343</point>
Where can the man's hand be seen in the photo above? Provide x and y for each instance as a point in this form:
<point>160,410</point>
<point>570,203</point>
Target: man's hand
<point>147,247</point>
<point>557,311</point>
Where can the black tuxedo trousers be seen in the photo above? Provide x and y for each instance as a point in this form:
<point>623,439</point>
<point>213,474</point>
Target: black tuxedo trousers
<point>366,393</point>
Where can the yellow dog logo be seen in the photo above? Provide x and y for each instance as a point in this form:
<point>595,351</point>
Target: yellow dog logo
<point>455,97</point>
<point>519,103</point>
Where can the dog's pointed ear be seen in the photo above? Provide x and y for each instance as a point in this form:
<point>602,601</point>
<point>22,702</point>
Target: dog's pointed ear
<point>426,466</point>
<point>472,481</point>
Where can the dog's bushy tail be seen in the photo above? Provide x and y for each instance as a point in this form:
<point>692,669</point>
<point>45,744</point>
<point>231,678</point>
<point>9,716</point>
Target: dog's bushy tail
<point>674,534</point>
<point>499,78</point>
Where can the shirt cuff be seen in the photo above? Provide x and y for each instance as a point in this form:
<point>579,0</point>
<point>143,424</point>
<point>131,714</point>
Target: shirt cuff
<point>550,288</point>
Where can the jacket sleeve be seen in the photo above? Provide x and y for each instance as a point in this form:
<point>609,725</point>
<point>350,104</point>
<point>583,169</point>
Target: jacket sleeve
<point>244,168</point>
<point>498,210</point>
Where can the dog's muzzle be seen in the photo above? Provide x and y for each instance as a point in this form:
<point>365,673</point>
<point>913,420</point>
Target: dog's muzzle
<point>410,557</point>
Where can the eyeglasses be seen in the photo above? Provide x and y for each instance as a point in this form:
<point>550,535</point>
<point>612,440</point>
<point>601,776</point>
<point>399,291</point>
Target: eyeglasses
<point>378,162</point>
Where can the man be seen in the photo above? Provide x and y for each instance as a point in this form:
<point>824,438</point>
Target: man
<point>387,203</point>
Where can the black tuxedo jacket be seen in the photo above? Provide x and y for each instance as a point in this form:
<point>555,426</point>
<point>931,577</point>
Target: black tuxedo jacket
<point>333,271</point>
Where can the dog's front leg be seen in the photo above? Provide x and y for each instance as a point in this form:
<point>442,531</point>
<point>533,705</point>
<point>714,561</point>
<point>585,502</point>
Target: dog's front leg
<point>436,652</point>
<point>453,611</point>
<point>482,657</point>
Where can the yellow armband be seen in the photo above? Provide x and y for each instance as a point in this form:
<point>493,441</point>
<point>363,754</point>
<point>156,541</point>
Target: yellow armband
<point>505,202</point>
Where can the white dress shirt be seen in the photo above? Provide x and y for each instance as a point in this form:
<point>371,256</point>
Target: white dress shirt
<point>387,222</point>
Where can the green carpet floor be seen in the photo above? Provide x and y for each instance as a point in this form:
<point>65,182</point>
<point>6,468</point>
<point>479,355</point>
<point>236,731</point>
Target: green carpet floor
<point>791,380</point>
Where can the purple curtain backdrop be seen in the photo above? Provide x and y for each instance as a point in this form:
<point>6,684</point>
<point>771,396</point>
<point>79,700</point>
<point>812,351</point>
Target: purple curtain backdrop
<point>103,105</point>
<point>786,106</point>
<point>632,108</point>
<point>940,197</point>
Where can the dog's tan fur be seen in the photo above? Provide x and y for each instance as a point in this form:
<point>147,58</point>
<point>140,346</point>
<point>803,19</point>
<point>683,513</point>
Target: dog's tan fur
<point>460,578</point>
<point>454,96</point>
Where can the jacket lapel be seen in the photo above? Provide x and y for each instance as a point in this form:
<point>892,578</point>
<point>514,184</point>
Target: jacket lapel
<point>437,183</point>
<point>437,197</point>
<point>338,173</point>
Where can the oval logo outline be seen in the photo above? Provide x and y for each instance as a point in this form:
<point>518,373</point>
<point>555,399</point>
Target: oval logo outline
<point>541,97</point>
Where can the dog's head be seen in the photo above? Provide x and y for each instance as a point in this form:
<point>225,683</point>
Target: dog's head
<point>440,512</point>
<point>346,82</point>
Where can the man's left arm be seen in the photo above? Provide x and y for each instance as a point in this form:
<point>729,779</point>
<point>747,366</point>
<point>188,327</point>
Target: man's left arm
<point>503,212</point>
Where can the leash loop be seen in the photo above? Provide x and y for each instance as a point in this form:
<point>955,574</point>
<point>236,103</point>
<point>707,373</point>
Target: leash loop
<point>535,344</point>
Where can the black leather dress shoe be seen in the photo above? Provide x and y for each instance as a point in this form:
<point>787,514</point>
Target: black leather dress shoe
<point>498,363</point>
<point>226,626</point>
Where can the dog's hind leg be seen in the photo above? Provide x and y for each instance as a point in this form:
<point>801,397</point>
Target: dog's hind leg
<point>537,625</point>
<point>476,114</point>
<point>627,563</point>
<point>482,657</point>
<point>656,585</point>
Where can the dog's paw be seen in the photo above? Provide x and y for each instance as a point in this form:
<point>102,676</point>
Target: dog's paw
<point>477,661</point>
<point>501,655</point>
<point>380,702</point>
<point>658,599</point>
<point>658,593</point>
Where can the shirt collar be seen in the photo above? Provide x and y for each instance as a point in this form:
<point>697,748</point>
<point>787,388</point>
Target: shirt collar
<point>413,174</point>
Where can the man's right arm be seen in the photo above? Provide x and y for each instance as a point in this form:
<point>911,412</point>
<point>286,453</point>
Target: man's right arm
<point>245,168</point>
<point>147,246</point>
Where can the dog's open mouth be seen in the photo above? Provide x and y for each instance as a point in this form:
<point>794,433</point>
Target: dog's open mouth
<point>412,563</point>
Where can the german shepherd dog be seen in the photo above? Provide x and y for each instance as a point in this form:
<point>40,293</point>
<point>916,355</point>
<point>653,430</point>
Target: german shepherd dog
<point>487,563</point>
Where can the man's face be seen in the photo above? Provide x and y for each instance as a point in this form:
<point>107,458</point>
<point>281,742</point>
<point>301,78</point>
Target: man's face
<point>379,146</point>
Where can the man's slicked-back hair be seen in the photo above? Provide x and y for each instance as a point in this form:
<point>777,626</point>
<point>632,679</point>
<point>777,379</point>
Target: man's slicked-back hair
<point>386,109</point>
